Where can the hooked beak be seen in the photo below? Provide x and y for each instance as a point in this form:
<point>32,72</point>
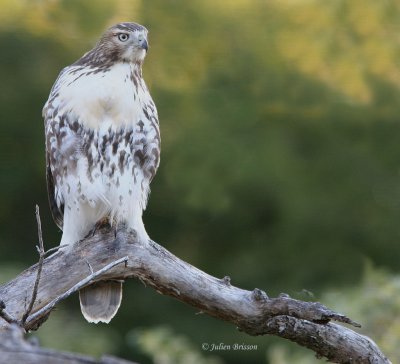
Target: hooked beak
<point>144,45</point>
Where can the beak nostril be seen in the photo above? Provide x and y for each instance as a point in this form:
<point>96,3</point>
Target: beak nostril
<point>144,45</point>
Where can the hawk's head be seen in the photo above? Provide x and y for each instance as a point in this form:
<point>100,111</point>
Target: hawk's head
<point>124,42</point>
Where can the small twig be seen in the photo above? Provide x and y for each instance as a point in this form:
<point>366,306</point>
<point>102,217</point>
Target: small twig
<point>51,250</point>
<point>76,287</point>
<point>142,281</point>
<point>42,254</point>
<point>90,267</point>
<point>5,315</point>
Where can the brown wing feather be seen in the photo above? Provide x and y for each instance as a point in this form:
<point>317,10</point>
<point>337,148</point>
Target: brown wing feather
<point>57,212</point>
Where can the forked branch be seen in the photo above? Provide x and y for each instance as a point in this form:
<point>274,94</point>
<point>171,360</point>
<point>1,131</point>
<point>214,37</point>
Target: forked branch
<point>306,323</point>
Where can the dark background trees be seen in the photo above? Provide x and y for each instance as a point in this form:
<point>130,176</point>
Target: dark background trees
<point>280,157</point>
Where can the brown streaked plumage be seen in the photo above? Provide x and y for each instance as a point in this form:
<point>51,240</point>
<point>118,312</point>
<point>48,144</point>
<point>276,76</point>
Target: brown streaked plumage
<point>102,148</point>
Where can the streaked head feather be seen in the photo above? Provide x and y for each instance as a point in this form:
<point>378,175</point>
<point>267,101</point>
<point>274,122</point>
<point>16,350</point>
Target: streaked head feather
<point>123,42</point>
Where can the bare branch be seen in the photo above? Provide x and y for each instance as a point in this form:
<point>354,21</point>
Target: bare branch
<point>52,250</point>
<point>14,349</point>
<point>332,341</point>
<point>42,254</point>
<point>84,282</point>
<point>5,315</point>
<point>253,312</point>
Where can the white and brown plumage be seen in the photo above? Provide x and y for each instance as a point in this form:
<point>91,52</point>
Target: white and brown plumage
<point>102,148</point>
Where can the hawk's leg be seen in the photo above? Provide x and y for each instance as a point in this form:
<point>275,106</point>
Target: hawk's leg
<point>102,223</point>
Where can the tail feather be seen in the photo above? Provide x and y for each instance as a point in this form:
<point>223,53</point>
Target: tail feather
<point>100,301</point>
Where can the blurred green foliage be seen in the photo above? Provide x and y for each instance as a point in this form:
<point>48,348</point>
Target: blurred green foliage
<point>280,153</point>
<point>166,347</point>
<point>375,302</point>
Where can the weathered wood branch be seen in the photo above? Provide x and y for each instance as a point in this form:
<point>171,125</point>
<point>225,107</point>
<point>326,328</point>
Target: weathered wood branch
<point>306,323</point>
<point>15,349</point>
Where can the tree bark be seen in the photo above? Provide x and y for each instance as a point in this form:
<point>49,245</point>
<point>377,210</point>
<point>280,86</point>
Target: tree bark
<point>15,349</point>
<point>121,256</point>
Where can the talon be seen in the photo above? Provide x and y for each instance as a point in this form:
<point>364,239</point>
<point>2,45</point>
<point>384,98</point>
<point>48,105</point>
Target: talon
<point>102,223</point>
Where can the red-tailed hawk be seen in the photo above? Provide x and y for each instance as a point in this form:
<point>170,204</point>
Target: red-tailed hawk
<point>102,148</point>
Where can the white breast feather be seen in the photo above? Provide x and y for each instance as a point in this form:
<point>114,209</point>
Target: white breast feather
<point>104,103</point>
<point>101,97</point>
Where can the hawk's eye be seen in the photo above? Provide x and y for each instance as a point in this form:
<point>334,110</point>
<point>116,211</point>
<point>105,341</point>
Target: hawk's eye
<point>123,37</point>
